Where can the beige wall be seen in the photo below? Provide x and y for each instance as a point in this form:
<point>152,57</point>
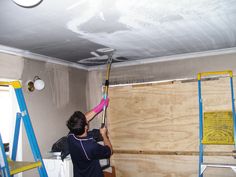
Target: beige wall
<point>50,108</point>
<point>178,69</point>
<point>11,67</point>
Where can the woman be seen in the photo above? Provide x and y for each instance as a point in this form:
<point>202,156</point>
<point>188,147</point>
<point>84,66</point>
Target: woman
<point>84,150</point>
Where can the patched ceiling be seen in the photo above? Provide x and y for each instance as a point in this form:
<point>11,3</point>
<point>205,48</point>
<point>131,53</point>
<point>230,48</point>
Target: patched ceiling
<point>72,30</point>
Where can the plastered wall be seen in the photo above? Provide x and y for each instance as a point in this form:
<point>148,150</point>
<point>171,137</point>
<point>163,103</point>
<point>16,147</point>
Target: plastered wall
<point>50,108</point>
<point>175,69</point>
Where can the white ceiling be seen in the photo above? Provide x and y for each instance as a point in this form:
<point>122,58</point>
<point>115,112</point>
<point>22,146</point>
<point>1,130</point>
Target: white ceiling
<point>137,29</point>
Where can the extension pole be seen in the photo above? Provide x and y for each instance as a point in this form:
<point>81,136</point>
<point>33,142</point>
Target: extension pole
<point>105,91</point>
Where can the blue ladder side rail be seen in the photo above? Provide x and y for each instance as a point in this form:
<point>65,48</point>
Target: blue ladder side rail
<point>5,172</point>
<point>30,132</point>
<point>24,116</point>
<point>201,151</point>
<point>233,109</point>
<point>200,129</point>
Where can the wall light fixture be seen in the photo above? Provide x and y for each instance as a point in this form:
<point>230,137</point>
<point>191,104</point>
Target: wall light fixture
<point>36,83</point>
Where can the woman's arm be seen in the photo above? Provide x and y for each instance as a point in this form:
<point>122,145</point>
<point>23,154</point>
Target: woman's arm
<point>97,109</point>
<point>90,115</point>
<point>106,139</point>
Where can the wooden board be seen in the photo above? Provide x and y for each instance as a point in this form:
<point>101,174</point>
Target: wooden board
<point>153,117</point>
<point>162,117</point>
<point>165,166</point>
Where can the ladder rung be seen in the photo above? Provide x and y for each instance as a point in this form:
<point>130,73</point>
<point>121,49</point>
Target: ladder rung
<point>17,167</point>
<point>217,165</point>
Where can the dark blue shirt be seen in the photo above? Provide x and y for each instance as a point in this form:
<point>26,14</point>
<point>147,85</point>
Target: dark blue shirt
<point>85,154</point>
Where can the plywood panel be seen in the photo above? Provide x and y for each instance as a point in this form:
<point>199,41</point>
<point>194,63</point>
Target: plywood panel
<point>165,166</point>
<point>216,95</point>
<point>162,117</point>
<point>154,117</point>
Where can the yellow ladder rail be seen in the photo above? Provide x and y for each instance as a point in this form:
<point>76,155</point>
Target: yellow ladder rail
<point>14,84</point>
<point>17,167</point>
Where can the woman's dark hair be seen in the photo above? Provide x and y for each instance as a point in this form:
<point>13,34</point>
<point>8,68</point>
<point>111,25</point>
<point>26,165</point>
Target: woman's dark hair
<point>77,123</point>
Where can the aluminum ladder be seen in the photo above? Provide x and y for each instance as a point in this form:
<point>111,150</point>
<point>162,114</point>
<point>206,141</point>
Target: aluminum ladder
<point>8,166</point>
<point>202,165</point>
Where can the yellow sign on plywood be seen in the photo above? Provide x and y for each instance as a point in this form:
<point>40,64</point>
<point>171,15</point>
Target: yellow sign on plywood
<point>218,128</point>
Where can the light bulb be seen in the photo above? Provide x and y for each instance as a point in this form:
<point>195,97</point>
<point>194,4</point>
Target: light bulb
<point>27,3</point>
<point>39,84</point>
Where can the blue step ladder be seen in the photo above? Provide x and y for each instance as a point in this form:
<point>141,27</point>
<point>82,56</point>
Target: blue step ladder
<point>230,115</point>
<point>10,167</point>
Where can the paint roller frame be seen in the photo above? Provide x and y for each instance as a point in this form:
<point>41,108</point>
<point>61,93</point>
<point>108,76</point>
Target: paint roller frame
<point>109,52</point>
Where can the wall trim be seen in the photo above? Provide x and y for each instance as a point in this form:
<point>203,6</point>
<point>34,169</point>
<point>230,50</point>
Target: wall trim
<point>34,56</point>
<point>168,58</point>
